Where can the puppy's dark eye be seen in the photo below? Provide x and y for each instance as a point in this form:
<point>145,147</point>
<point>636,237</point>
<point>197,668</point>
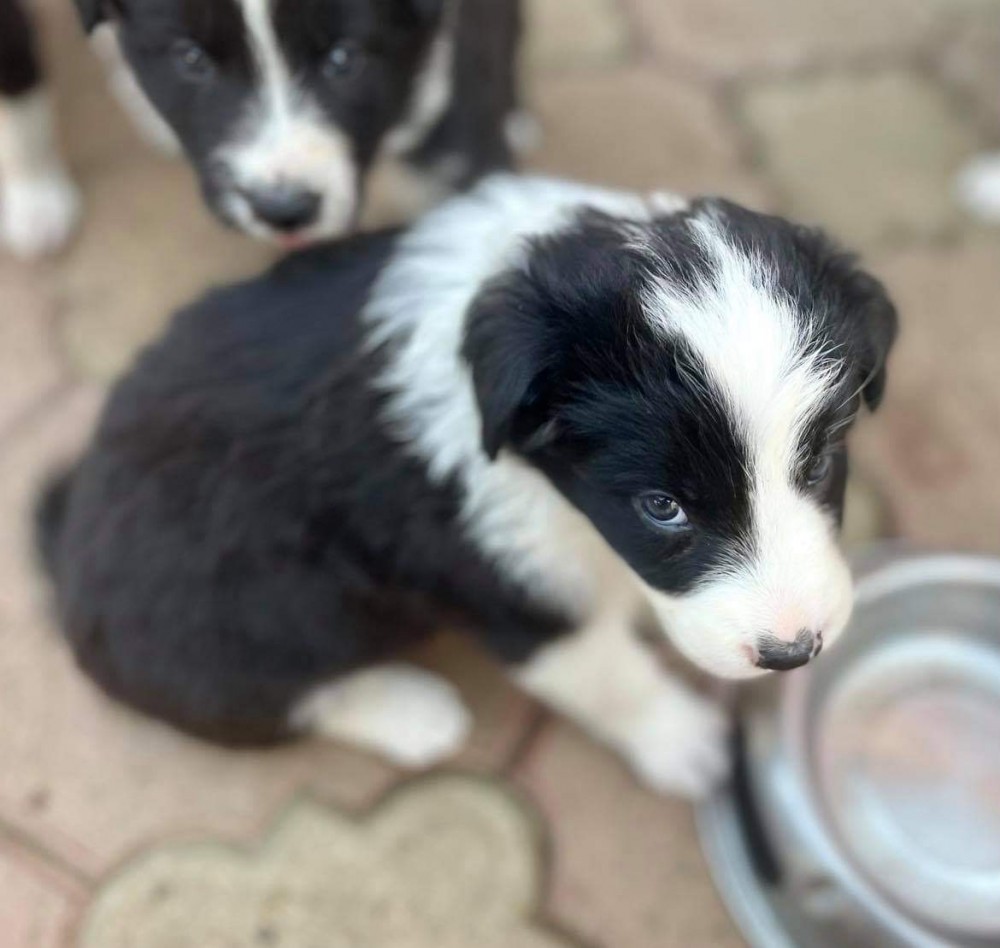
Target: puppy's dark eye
<point>820,469</point>
<point>191,61</point>
<point>661,510</point>
<point>344,61</point>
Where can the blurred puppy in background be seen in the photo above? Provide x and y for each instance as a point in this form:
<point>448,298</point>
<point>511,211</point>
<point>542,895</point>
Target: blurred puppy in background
<point>283,107</point>
<point>547,409</point>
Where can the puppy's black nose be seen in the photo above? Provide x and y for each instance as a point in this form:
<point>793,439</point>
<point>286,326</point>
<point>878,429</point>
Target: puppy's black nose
<point>284,207</point>
<point>776,654</point>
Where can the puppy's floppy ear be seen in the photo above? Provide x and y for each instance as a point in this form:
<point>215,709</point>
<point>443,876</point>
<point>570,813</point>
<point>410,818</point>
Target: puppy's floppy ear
<point>508,353</point>
<point>878,323</point>
<point>94,12</point>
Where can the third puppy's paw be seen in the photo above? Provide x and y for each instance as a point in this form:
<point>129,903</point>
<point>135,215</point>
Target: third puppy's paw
<point>38,212</point>
<point>680,744</point>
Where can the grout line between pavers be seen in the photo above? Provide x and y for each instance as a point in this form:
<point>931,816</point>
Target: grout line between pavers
<point>47,400</point>
<point>47,856</point>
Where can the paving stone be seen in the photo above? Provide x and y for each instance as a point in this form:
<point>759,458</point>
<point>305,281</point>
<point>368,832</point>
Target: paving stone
<point>635,128</point>
<point>867,514</point>
<point>148,246</point>
<point>38,904</point>
<point>869,156</point>
<point>29,365</point>
<point>971,59</point>
<point>579,33</point>
<point>627,870</point>
<point>934,448</point>
<point>727,37</point>
<point>446,863</point>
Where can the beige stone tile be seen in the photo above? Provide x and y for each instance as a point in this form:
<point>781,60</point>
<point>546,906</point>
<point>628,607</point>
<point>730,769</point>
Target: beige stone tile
<point>934,448</point>
<point>869,156</point>
<point>148,246</point>
<point>627,870</point>
<point>577,34</point>
<point>726,37</point>
<point>38,904</point>
<point>635,128</point>
<point>29,365</point>
<point>446,863</point>
<point>502,712</point>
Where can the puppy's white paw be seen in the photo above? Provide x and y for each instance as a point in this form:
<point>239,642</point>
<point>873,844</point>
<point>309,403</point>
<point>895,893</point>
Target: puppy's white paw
<point>38,213</point>
<point>680,744</point>
<point>978,187</point>
<point>411,716</point>
<point>523,132</point>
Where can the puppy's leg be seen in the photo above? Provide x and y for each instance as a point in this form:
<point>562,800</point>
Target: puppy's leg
<point>412,716</point>
<point>39,206</point>
<point>608,681</point>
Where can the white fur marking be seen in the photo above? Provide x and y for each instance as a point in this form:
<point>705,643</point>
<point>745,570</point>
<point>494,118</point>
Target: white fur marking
<point>433,89</point>
<point>413,717</point>
<point>39,205</point>
<point>674,739</point>
<point>756,352</point>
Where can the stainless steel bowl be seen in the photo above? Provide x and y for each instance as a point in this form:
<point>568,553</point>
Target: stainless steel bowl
<point>866,809</point>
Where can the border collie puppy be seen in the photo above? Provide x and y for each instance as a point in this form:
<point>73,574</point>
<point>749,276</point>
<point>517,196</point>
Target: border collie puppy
<point>283,106</point>
<point>39,205</point>
<point>547,409</point>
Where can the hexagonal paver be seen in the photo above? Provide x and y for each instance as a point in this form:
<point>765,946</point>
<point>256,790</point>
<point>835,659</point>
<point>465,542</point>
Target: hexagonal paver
<point>93,781</point>
<point>869,156</point>
<point>935,446</point>
<point>38,904</point>
<point>447,863</point>
<point>28,362</point>
<point>627,869</point>
<point>635,128</point>
<point>582,33</point>
<point>971,59</point>
<point>148,247</point>
<point>726,37</point>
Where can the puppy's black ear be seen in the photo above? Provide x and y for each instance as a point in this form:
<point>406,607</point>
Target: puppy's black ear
<point>507,350</point>
<point>879,323</point>
<point>94,12</point>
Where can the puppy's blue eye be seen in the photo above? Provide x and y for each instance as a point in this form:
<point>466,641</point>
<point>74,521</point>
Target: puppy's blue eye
<point>820,469</point>
<point>344,61</point>
<point>661,510</point>
<point>191,61</point>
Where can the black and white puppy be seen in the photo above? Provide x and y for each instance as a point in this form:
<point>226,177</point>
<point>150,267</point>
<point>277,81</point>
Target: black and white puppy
<point>545,409</point>
<point>39,205</point>
<point>283,106</point>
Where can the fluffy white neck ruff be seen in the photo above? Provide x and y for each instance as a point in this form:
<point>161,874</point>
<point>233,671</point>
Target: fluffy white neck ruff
<point>419,304</point>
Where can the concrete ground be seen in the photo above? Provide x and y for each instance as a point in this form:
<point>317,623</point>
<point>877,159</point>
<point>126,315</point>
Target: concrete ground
<point>117,832</point>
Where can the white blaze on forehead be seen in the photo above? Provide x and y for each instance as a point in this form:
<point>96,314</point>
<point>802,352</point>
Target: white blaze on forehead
<point>755,348</point>
<point>286,137</point>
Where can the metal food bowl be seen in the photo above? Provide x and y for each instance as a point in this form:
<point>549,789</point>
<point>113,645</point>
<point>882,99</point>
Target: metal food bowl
<point>866,805</point>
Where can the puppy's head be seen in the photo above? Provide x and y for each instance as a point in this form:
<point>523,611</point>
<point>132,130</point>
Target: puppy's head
<point>687,383</point>
<point>280,105</point>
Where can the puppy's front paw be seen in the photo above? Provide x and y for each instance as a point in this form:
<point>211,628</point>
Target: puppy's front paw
<point>38,213</point>
<point>680,744</point>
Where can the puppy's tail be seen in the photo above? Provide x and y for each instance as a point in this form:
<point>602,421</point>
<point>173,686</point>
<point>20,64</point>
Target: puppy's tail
<point>50,513</point>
